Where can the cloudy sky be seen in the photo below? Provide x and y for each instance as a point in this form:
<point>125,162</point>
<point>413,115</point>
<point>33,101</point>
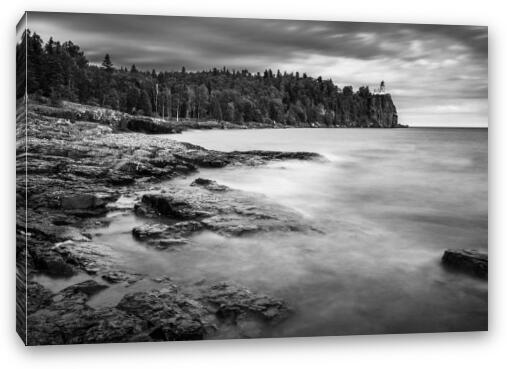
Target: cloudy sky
<point>437,75</point>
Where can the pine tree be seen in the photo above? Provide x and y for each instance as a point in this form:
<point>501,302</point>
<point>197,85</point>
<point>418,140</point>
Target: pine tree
<point>107,64</point>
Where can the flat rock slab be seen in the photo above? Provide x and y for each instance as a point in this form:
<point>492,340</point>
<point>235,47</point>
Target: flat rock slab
<point>468,261</point>
<point>218,208</point>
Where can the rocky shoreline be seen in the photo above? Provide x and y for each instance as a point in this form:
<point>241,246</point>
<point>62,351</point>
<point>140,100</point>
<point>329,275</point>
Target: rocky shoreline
<point>77,167</point>
<point>123,122</point>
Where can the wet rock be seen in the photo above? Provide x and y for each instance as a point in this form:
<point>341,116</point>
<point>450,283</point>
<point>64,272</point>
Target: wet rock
<point>229,212</point>
<point>67,319</point>
<point>157,230</point>
<point>176,207</point>
<point>278,155</point>
<point>87,201</point>
<point>165,236</point>
<point>173,315</point>
<point>468,261</point>
<point>73,234</point>
<point>37,297</point>
<point>90,257</point>
<point>149,230</point>
<point>167,243</point>
<point>121,276</point>
<point>209,184</point>
<point>89,288</point>
<point>233,300</point>
<point>49,261</point>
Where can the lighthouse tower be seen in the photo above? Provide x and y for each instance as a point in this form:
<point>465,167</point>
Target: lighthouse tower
<point>380,90</point>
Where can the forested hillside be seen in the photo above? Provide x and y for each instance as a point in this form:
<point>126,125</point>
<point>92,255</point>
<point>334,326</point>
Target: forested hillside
<point>61,71</point>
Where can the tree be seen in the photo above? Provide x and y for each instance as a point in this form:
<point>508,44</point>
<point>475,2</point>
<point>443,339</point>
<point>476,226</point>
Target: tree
<point>144,103</point>
<point>348,90</point>
<point>107,64</point>
<point>216,109</point>
<point>61,71</point>
<point>202,97</point>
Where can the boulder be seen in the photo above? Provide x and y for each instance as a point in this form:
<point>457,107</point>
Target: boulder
<point>468,261</point>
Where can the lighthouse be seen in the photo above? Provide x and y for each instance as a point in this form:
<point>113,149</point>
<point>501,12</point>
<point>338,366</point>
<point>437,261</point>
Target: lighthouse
<point>380,90</point>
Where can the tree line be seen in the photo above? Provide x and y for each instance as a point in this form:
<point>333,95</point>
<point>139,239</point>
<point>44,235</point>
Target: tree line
<point>61,71</point>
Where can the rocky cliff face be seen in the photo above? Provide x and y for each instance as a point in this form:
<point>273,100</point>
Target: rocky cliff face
<point>367,110</point>
<point>382,112</point>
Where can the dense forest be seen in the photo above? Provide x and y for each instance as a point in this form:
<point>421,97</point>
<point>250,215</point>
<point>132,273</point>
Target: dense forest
<point>61,71</point>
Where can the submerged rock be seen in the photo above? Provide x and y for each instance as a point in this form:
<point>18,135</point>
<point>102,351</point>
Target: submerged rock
<point>469,261</point>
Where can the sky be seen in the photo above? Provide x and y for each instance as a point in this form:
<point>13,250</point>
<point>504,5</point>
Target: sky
<point>437,74</point>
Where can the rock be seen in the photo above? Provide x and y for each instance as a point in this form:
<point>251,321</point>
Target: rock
<point>469,261</point>
<point>89,288</point>
<point>37,297</point>
<point>90,257</point>
<point>149,125</point>
<point>209,184</point>
<point>166,243</point>
<point>118,276</point>
<point>149,230</point>
<point>86,201</point>
<point>73,234</point>
<point>67,319</point>
<point>229,212</point>
<point>382,112</point>
<point>234,300</point>
<point>173,315</point>
<point>173,206</point>
<point>218,311</point>
<point>277,155</point>
<point>165,236</point>
<point>51,262</point>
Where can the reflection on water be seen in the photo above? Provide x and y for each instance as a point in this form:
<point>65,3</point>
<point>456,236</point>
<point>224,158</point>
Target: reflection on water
<point>390,202</point>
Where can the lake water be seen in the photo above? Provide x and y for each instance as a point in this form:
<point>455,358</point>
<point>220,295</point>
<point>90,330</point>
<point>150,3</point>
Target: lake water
<point>390,202</point>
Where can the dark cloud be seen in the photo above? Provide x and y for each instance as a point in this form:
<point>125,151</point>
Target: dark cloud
<point>423,61</point>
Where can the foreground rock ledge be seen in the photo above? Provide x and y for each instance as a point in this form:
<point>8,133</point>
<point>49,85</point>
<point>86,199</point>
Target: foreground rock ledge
<point>168,313</point>
<point>467,261</point>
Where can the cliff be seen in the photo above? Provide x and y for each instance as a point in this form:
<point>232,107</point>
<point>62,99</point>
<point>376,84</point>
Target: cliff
<point>367,110</point>
<point>382,111</point>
